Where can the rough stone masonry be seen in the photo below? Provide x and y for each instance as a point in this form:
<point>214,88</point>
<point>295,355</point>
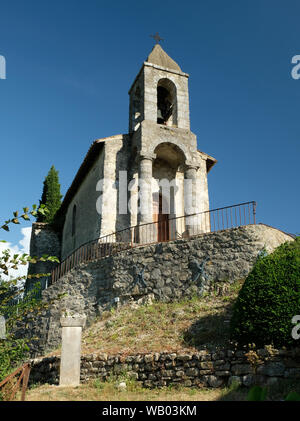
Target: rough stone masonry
<point>215,368</point>
<point>168,271</point>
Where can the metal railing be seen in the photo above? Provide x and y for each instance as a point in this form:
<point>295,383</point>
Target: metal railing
<point>165,229</point>
<point>24,377</point>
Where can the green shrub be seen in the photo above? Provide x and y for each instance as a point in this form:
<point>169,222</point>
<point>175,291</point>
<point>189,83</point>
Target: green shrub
<point>258,393</point>
<point>269,298</point>
<point>12,353</point>
<point>13,305</point>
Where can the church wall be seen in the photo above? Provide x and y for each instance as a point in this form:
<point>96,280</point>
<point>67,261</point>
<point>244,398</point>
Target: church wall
<point>136,104</point>
<point>88,220</point>
<point>117,156</point>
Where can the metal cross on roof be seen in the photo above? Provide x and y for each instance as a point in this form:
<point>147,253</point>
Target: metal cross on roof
<point>157,37</point>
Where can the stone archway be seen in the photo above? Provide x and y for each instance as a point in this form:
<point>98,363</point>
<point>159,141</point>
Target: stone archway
<point>167,192</point>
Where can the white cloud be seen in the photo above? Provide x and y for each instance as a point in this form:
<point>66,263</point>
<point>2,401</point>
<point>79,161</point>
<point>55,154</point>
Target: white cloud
<point>25,241</point>
<point>20,248</point>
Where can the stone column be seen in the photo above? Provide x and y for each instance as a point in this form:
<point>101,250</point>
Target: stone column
<point>71,350</point>
<point>190,199</point>
<point>145,199</point>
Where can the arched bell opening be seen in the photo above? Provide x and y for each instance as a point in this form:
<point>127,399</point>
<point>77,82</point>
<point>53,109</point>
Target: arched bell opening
<point>166,102</point>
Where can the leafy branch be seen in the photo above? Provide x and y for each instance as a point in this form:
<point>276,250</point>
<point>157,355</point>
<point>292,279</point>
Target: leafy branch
<point>25,215</point>
<point>10,261</point>
<point>14,304</point>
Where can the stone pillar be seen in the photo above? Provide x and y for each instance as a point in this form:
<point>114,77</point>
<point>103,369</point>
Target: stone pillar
<point>2,328</point>
<point>71,350</point>
<point>190,199</point>
<point>145,199</point>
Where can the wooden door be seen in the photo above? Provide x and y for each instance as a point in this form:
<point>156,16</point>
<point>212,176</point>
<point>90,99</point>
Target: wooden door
<point>161,219</point>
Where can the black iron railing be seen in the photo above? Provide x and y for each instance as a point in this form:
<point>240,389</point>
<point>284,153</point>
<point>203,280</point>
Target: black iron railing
<point>162,230</point>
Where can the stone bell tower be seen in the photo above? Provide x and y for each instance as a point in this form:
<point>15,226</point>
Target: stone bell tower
<point>160,93</point>
<point>164,146</point>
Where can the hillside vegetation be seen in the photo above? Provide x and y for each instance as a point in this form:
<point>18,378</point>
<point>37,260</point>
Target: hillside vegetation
<point>163,326</point>
<point>185,325</point>
<point>269,299</point>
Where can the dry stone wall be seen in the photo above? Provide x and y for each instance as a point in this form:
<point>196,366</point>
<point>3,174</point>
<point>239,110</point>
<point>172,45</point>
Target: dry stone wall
<point>202,369</point>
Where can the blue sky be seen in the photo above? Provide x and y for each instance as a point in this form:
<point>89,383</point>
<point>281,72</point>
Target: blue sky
<point>70,65</point>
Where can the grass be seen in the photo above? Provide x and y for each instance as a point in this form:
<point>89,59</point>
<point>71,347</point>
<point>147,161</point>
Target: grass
<point>109,391</point>
<point>97,390</point>
<point>184,325</point>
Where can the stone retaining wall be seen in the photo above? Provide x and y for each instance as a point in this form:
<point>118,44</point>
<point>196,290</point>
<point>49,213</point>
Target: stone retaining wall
<point>170,272</point>
<point>201,369</point>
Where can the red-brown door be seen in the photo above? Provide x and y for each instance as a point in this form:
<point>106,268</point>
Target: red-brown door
<point>162,219</point>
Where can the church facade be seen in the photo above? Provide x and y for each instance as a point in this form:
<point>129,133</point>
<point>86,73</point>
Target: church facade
<point>153,174</point>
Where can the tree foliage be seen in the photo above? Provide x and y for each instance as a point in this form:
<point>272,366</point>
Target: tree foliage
<point>269,299</point>
<point>51,196</point>
<point>13,305</point>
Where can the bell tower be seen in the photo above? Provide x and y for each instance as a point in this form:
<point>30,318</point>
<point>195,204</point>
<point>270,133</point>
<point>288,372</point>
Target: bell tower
<point>159,93</point>
<point>162,144</point>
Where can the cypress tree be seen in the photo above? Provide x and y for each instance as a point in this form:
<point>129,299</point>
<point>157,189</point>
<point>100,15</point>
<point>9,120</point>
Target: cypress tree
<point>51,196</point>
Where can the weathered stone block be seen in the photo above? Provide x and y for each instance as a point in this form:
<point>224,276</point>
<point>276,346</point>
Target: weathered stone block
<point>180,373</point>
<point>192,372</point>
<point>240,369</point>
<point>204,372</point>
<point>234,380</point>
<point>272,369</point>
<point>206,365</point>
<point>248,380</point>
<point>222,373</point>
<point>292,373</point>
<point>148,358</point>
<point>214,381</point>
<point>184,357</point>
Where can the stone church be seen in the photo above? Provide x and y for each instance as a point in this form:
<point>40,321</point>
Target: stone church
<point>132,168</point>
<point>145,188</point>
